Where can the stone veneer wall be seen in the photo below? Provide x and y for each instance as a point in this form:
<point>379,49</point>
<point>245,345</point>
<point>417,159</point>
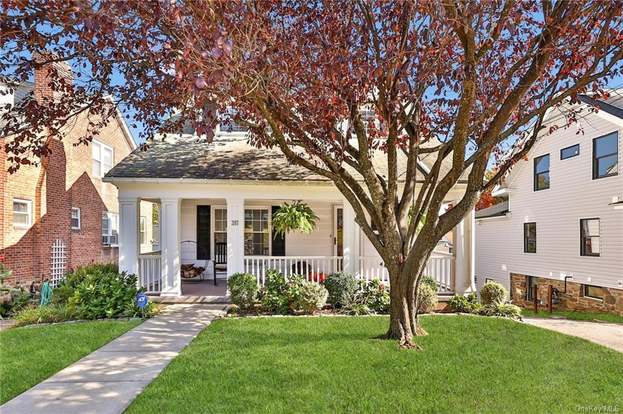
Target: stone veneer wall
<point>573,299</point>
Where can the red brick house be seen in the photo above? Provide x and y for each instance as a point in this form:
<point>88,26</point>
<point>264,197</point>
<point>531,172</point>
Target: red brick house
<point>59,214</point>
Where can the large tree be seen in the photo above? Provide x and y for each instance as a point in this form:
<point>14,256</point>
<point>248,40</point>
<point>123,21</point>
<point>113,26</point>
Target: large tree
<point>452,80</point>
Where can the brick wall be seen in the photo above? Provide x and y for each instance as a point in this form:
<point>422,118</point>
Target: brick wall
<point>63,180</point>
<point>570,299</point>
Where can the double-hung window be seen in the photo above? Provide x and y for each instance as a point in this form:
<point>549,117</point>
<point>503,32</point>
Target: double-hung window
<point>256,232</point>
<point>102,156</point>
<point>22,213</point>
<point>75,218</point>
<point>110,228</point>
<point>529,237</point>
<point>541,172</point>
<point>605,156</point>
<point>589,237</point>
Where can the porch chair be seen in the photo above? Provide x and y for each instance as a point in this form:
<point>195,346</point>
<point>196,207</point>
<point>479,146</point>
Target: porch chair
<point>220,258</point>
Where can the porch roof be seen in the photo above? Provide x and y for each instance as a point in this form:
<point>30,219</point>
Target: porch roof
<point>186,157</point>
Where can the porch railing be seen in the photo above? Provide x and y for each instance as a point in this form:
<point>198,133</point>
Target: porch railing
<point>440,267</point>
<point>310,266</point>
<point>150,273</point>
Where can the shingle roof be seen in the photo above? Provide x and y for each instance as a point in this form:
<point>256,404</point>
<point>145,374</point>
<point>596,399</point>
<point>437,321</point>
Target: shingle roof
<point>185,157</point>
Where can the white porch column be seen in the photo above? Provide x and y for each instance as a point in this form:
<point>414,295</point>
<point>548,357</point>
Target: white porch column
<point>170,246</point>
<point>235,235</point>
<point>128,235</point>
<point>465,255</point>
<point>351,240</point>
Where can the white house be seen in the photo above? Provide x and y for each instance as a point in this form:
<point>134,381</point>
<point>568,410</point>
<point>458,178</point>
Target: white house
<point>563,222</point>
<point>214,206</point>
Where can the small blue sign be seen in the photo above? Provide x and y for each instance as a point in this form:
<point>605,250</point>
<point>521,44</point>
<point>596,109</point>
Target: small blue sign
<point>141,300</point>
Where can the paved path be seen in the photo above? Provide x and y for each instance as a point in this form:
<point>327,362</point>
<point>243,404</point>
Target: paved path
<point>607,334</point>
<point>107,380</point>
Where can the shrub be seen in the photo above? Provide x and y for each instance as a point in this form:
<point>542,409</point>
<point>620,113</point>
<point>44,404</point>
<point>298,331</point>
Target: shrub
<point>493,293</point>
<point>101,293</point>
<point>427,298</point>
<point>460,303</point>
<point>358,309</point>
<point>502,310</point>
<point>243,289</point>
<point>274,294</point>
<point>429,281</point>
<point>68,285</point>
<point>12,300</point>
<point>43,314</point>
<point>305,296</point>
<point>342,288</point>
<point>373,294</point>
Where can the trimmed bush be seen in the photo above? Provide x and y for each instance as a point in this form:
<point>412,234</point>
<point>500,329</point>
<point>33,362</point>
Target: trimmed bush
<point>493,293</point>
<point>358,309</point>
<point>427,298</point>
<point>373,294</point>
<point>502,310</point>
<point>429,281</point>
<point>465,304</point>
<point>342,288</point>
<point>243,289</point>
<point>44,314</point>
<point>305,296</point>
<point>274,294</point>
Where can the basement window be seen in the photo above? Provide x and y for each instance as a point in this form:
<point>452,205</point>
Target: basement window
<point>593,292</point>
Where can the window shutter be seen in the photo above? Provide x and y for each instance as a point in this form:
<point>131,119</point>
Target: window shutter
<point>279,241</point>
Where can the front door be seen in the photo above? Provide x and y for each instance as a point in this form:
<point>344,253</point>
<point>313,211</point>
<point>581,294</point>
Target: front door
<point>338,231</point>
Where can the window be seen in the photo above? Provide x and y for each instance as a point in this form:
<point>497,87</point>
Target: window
<point>605,156</point>
<point>530,285</point>
<point>22,213</point>
<point>256,232</point>
<point>110,229</point>
<point>75,218</point>
<point>569,152</point>
<point>593,292</point>
<point>102,158</point>
<point>541,172</point>
<point>141,230</point>
<point>529,237</point>
<point>589,237</point>
<point>220,225</point>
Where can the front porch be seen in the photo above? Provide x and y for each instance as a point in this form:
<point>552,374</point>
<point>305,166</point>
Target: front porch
<point>225,235</point>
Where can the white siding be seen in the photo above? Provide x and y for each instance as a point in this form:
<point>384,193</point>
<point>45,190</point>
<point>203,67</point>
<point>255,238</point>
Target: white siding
<point>573,194</point>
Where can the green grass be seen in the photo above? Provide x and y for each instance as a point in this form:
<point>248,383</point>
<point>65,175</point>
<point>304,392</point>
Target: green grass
<point>31,354</point>
<point>574,315</point>
<point>324,365</point>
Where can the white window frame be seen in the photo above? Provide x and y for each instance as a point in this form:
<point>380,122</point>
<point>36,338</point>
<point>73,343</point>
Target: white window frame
<point>28,213</point>
<point>270,227</point>
<point>79,218</point>
<point>213,227</point>
<point>108,238</point>
<point>97,151</point>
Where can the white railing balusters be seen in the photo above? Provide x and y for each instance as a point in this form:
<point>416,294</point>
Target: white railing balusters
<point>149,273</point>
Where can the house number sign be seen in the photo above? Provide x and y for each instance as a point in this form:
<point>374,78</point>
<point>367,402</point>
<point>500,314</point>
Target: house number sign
<point>234,222</point>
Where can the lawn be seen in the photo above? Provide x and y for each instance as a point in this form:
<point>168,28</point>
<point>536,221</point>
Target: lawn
<point>332,364</point>
<point>574,315</point>
<point>31,354</point>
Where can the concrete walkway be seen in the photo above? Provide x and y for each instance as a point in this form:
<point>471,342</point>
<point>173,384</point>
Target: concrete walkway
<point>606,334</point>
<point>109,379</point>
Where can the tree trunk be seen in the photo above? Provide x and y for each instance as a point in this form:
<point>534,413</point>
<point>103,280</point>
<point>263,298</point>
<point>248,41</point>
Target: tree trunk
<point>403,323</point>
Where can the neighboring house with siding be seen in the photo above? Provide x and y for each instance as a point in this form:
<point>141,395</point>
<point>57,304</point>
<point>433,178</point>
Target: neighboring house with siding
<point>60,214</point>
<point>215,204</point>
<point>562,224</point>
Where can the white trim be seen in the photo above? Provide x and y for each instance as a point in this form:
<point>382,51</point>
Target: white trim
<point>28,213</point>
<point>79,218</point>
<point>213,209</point>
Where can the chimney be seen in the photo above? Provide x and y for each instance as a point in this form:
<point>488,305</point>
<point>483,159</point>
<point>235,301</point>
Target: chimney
<point>43,77</point>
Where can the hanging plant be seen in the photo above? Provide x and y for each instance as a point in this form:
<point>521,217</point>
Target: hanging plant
<point>297,216</point>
